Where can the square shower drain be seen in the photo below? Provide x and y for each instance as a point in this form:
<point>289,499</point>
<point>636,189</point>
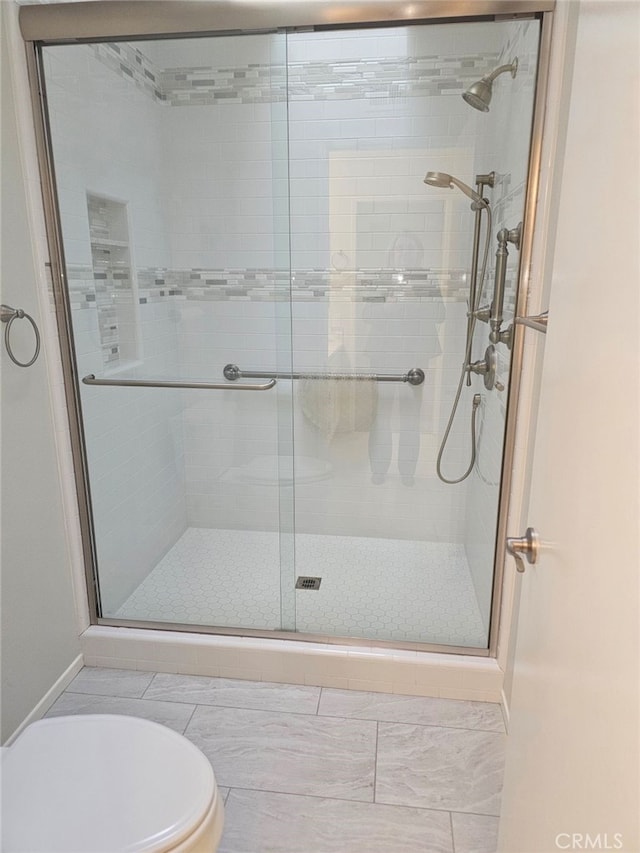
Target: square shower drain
<point>308,582</point>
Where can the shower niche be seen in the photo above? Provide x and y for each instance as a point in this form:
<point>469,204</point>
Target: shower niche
<point>276,203</point>
<point>115,282</point>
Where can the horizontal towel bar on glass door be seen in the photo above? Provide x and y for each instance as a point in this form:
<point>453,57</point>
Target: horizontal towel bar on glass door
<point>415,376</point>
<point>159,383</point>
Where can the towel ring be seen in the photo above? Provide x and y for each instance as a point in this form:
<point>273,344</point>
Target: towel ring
<point>8,315</point>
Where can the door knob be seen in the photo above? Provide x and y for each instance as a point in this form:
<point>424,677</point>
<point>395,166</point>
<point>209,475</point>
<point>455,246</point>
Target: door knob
<point>527,546</point>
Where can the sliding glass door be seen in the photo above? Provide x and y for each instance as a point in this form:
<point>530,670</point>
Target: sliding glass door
<point>269,318</point>
<point>172,181</point>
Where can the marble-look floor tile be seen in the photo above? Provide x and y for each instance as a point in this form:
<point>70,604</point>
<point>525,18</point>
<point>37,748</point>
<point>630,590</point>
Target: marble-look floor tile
<point>287,753</point>
<point>231,693</point>
<point>440,768</point>
<point>474,833</point>
<point>224,793</point>
<point>171,714</point>
<point>418,710</point>
<point>129,683</point>
<point>282,823</point>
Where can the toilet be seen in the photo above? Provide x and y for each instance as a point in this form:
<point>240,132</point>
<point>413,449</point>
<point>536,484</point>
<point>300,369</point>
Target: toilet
<point>107,784</point>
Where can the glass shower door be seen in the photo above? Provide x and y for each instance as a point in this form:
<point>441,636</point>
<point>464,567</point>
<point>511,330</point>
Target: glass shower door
<point>237,208</point>
<point>381,265</point>
<point>172,183</point>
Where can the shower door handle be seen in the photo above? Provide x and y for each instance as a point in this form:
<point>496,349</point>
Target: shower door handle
<point>159,383</point>
<point>527,546</point>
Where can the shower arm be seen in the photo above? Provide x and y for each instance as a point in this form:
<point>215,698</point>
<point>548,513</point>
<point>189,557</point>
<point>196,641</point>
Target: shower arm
<point>511,67</point>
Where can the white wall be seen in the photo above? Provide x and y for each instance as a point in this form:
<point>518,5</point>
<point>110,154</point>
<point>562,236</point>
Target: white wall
<point>107,140</point>
<point>357,203</point>
<point>39,635</point>
<point>572,775</point>
<point>225,163</point>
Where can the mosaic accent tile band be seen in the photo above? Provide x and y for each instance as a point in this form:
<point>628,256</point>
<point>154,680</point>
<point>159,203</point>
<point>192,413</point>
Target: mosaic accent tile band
<point>386,78</point>
<point>267,285</point>
<point>322,81</point>
<point>112,297</point>
<point>131,64</point>
<point>257,83</point>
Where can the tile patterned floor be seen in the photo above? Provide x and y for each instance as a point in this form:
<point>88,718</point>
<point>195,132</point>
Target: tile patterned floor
<point>317,770</point>
<point>387,589</point>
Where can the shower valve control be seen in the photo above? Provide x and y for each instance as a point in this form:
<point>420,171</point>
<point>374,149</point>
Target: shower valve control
<point>486,368</point>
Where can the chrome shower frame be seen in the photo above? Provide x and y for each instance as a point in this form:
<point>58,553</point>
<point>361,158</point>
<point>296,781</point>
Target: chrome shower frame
<point>49,24</point>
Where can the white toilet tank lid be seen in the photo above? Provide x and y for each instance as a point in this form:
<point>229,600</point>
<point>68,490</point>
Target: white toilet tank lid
<point>102,783</point>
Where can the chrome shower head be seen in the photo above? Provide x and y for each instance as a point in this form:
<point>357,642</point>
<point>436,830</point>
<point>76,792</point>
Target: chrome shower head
<point>442,179</point>
<point>478,95</point>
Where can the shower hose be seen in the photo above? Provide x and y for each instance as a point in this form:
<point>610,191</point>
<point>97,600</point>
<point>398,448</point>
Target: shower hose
<point>471,325</point>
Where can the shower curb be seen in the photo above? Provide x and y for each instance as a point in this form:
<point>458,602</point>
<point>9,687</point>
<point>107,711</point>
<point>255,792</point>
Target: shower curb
<point>411,673</point>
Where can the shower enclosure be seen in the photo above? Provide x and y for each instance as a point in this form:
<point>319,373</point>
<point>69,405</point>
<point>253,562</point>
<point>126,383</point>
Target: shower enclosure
<point>264,315</point>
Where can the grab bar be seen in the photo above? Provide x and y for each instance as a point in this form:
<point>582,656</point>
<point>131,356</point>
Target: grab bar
<point>415,376</point>
<point>153,383</point>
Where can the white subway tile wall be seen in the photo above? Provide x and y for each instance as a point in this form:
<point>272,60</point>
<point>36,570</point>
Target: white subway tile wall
<point>107,141</point>
<point>284,234</point>
<point>505,148</point>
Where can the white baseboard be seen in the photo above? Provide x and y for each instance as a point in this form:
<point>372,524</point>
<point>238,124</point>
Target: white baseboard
<point>49,697</point>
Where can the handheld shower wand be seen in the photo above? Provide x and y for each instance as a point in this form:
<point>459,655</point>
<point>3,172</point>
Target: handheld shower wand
<point>442,179</point>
